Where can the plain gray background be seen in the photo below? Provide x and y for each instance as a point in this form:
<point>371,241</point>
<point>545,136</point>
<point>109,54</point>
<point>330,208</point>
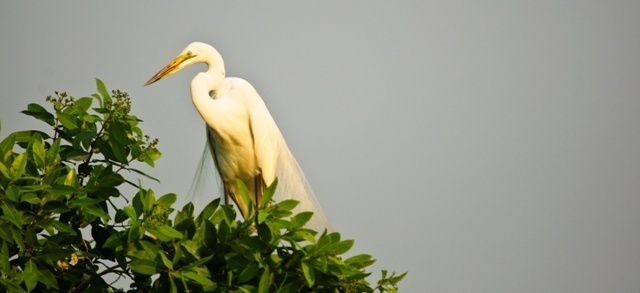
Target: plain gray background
<point>482,146</point>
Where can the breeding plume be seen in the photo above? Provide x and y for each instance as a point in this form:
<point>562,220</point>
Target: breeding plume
<point>242,137</point>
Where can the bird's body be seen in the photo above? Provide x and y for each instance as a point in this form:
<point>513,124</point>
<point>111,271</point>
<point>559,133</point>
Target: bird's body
<point>243,138</point>
<point>238,150</point>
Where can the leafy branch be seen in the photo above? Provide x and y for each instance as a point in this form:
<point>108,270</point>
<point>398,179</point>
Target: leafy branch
<point>56,189</point>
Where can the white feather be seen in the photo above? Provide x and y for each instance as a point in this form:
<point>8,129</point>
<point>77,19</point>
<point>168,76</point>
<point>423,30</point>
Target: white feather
<point>243,140</point>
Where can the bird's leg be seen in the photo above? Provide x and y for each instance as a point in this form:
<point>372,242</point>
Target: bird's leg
<point>227,192</point>
<point>258,186</point>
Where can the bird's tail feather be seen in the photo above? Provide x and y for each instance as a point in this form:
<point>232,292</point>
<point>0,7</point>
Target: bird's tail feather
<point>292,184</point>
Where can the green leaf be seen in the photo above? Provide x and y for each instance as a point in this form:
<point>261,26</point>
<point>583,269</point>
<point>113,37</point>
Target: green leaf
<point>13,193</point>
<point>191,247</point>
<point>265,233</point>
<point>262,216</point>
<point>71,179</point>
<point>37,148</point>
<point>39,113</point>
<point>28,188</point>
<point>119,150</point>
<point>30,275</point>
<point>172,284</point>
<point>248,272</point>
<point>149,156</point>
<point>82,141</point>
<point>165,233</point>
<point>288,204</point>
<point>144,266</point>
<point>309,274</point>
<point>83,202</point>
<point>83,104</point>
<point>149,251</point>
<point>53,154</point>
<point>103,92</point>
<point>197,263</point>
<point>77,155</point>
<point>208,234</point>
<point>63,190</point>
<point>323,244</point>
<point>63,228</point>
<point>131,213</point>
<point>97,211</point>
<point>52,254</point>
<point>46,277</point>
<point>5,234</point>
<point>121,216</point>
<point>4,257</point>
<point>357,275</point>
<point>396,279</point>
<point>135,232</point>
<point>11,285</point>
<point>30,237</point>
<point>11,214</point>
<point>108,178</point>
<point>203,281</point>
<point>224,213</point>
<point>167,263</point>
<point>187,209</point>
<point>55,207</point>
<point>246,198</point>
<point>68,120</point>
<point>120,132</point>
<point>101,104</point>
<point>91,118</point>
<point>360,260</point>
<point>143,174</point>
<point>137,202</point>
<point>113,241</point>
<point>6,147</point>
<point>31,198</point>
<point>268,194</point>
<point>25,136</point>
<point>148,199</point>
<point>18,238</point>
<point>342,247</point>
<point>208,210</point>
<point>100,110</point>
<point>4,171</point>
<point>265,281</point>
<point>18,166</point>
<point>253,243</point>
<point>300,219</point>
<point>167,200</point>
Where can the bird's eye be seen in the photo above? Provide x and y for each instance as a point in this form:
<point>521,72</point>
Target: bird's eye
<point>189,53</point>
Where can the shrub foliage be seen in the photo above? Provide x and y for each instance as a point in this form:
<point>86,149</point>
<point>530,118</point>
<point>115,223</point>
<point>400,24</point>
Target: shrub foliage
<point>61,231</point>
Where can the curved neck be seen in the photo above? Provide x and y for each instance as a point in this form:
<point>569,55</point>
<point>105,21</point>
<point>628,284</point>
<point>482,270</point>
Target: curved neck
<point>206,87</point>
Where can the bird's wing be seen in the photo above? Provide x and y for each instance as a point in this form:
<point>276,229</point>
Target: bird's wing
<point>275,160</point>
<point>266,140</point>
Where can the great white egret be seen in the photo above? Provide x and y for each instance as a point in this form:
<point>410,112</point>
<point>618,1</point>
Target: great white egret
<point>243,138</point>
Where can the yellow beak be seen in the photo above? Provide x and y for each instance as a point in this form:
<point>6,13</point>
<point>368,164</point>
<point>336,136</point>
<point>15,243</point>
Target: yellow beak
<point>171,68</point>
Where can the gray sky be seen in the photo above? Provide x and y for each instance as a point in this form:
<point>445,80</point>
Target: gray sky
<point>483,147</point>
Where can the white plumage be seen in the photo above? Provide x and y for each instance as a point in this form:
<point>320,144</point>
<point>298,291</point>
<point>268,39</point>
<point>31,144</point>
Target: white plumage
<point>242,137</point>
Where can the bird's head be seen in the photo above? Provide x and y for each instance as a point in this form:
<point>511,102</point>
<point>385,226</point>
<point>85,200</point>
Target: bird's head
<point>194,53</point>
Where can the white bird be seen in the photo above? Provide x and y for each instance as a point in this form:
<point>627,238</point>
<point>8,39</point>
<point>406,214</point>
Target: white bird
<point>243,138</point>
